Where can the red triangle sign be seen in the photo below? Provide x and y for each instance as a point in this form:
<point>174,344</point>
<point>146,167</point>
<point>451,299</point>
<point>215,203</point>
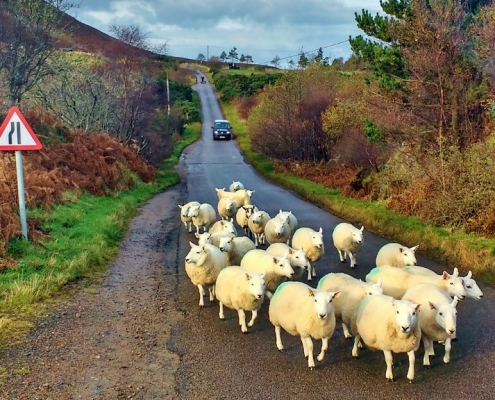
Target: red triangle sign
<point>16,134</point>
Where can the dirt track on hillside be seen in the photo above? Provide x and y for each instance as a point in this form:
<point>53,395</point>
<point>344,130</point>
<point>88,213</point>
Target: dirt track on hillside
<point>109,342</point>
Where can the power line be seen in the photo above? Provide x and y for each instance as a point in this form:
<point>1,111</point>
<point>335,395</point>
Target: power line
<point>309,51</point>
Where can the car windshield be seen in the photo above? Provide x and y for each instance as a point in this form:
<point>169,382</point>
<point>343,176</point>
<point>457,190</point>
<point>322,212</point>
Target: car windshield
<point>222,125</point>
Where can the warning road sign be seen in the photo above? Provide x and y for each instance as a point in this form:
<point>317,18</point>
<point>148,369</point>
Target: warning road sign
<point>16,134</point>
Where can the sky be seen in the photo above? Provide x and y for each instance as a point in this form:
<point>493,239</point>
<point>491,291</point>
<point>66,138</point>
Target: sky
<point>262,29</point>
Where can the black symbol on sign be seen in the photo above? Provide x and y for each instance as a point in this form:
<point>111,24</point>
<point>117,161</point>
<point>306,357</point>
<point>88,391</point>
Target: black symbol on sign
<point>12,130</point>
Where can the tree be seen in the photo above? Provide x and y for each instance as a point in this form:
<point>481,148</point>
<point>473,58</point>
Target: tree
<point>242,59</point>
<point>249,59</point>
<point>201,57</point>
<point>319,59</point>
<point>233,54</point>
<point>275,62</point>
<point>133,35</point>
<point>303,60</point>
<point>28,35</point>
<point>223,56</point>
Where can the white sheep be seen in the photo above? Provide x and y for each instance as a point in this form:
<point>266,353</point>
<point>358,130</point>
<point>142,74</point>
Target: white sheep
<point>184,214</point>
<point>297,258</point>
<point>437,319</point>
<point>396,281</point>
<point>241,197</point>
<point>276,269</point>
<point>352,291</point>
<point>390,325</point>
<point>348,240</point>
<point>256,224</point>
<point>240,290</point>
<point>242,217</point>
<point>473,291</point>
<point>203,216</point>
<point>234,248</point>
<point>306,312</point>
<point>212,238</point>
<point>203,264</point>
<point>396,255</point>
<point>311,242</point>
<point>226,208</point>
<point>224,226</point>
<point>277,231</point>
<point>235,186</point>
<point>290,218</point>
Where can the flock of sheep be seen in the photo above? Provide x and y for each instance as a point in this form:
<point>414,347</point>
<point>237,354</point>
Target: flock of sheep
<point>399,305</point>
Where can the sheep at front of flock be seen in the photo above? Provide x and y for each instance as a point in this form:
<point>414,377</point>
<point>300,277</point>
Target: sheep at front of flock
<point>396,255</point>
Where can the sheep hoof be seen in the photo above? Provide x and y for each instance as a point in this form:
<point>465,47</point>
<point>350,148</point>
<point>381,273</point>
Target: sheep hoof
<point>355,357</point>
<point>245,332</point>
<point>411,381</point>
<point>454,340</point>
<point>342,261</point>
<point>348,338</point>
<point>311,368</point>
<point>390,379</point>
<point>426,366</point>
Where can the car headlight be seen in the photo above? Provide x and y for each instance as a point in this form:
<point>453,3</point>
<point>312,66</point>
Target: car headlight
<point>215,131</point>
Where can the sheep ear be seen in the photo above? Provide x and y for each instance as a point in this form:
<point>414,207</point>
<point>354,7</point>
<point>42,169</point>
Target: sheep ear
<point>432,306</point>
<point>217,189</point>
<point>280,211</point>
<point>469,275</point>
<point>231,239</point>
<point>248,277</point>
<point>401,249</point>
<point>456,272</point>
<point>180,206</point>
<point>290,251</point>
<point>321,230</point>
<point>275,260</point>
<point>445,275</point>
<point>263,274</point>
<point>418,307</point>
<point>362,228</point>
<point>380,282</point>
<point>232,220</point>
<point>336,294</point>
<point>414,248</point>
<point>311,293</point>
<point>455,301</point>
<point>197,235</point>
<point>192,244</point>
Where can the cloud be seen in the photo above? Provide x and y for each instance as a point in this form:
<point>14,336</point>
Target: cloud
<point>261,28</point>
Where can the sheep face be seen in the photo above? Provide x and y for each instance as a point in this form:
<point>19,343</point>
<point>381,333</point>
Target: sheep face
<point>236,185</point>
<point>257,216</point>
<point>195,254</point>
<point>357,235</point>
<point>406,316</point>
<point>203,238</point>
<point>454,285</point>
<point>279,227</point>
<point>317,239</point>
<point>408,255</point>
<point>298,258</point>
<point>446,315</point>
<point>193,211</point>
<point>228,226</point>
<point>184,210</point>
<point>225,243</point>
<point>248,210</point>
<point>472,289</point>
<point>283,267</point>
<point>323,302</point>
<point>229,205</point>
<point>256,285</point>
<point>374,288</point>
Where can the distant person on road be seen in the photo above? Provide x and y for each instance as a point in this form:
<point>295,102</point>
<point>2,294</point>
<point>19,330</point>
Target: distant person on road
<point>202,79</point>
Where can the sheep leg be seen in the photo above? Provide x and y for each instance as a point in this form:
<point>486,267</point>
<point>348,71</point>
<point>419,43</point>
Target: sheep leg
<point>309,348</point>
<point>410,371</point>
<point>426,357</point>
<point>448,346</point>
<point>201,291</point>
<point>355,348</point>
<point>389,360</point>
<point>189,228</point>
<point>268,294</point>
<point>305,346</point>
<point>221,314</point>
<point>313,270</point>
<point>347,334</point>
<point>352,257</point>
<point>212,293</point>
<point>242,320</point>
<point>254,315</point>
<point>324,348</point>
<point>256,240</point>
<point>342,255</point>
<point>280,346</point>
<point>309,271</point>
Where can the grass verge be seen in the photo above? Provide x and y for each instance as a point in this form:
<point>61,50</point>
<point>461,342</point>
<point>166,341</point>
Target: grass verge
<point>84,235</point>
<point>453,249</point>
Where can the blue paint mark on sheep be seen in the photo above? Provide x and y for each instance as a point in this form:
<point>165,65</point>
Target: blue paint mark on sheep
<point>373,272</point>
<point>321,281</point>
<point>280,287</point>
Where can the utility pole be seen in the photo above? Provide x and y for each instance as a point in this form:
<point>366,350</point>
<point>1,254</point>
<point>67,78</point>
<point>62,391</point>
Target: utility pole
<point>168,96</point>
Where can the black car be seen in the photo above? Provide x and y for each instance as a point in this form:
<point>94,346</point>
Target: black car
<point>222,129</point>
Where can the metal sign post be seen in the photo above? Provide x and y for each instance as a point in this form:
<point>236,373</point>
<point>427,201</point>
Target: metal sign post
<point>24,139</point>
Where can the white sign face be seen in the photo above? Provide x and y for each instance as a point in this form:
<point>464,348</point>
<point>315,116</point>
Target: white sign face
<point>16,134</point>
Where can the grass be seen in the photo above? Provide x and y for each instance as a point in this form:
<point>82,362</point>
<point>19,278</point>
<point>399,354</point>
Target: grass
<point>455,249</point>
<point>84,235</point>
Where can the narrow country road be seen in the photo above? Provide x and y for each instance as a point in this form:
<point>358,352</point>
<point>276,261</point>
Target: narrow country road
<point>141,335</point>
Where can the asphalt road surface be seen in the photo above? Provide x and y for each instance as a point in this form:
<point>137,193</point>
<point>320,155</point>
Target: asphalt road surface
<point>219,362</point>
